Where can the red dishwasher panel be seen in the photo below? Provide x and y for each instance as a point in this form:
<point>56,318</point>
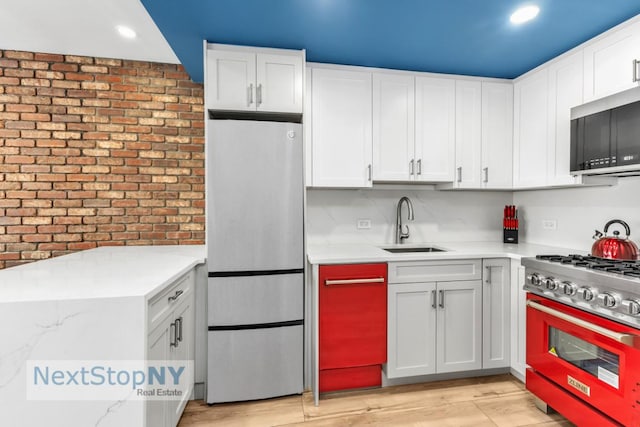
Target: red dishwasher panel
<point>353,325</point>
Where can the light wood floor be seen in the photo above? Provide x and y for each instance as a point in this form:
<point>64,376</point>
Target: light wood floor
<point>489,401</point>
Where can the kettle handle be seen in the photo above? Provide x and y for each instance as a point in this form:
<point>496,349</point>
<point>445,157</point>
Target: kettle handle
<point>618,221</point>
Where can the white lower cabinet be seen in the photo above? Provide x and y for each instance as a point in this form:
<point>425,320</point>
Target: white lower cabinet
<point>448,316</point>
<point>171,339</point>
<point>496,311</point>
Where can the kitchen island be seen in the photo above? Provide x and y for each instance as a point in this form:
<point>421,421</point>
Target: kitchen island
<point>106,305</point>
<point>484,278</point>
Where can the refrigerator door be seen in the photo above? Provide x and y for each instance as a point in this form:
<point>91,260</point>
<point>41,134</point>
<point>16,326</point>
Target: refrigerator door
<point>254,364</point>
<point>255,196</point>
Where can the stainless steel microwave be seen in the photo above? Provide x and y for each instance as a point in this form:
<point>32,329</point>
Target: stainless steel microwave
<point>605,135</point>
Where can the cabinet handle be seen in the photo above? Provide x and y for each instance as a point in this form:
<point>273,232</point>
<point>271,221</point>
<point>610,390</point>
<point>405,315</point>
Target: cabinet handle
<point>259,94</point>
<point>433,299</point>
<point>488,279</point>
<point>172,335</point>
<point>179,329</point>
<point>250,95</point>
<point>369,172</point>
<point>459,173</point>
<point>419,166</point>
<point>411,168</point>
<point>329,282</point>
<point>635,70</point>
<point>486,174</point>
<point>441,299</point>
<point>176,295</point>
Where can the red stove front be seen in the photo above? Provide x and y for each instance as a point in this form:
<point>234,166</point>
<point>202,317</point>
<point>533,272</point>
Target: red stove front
<point>584,366</point>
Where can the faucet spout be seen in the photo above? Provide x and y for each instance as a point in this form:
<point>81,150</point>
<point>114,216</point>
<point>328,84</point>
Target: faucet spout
<point>401,234</point>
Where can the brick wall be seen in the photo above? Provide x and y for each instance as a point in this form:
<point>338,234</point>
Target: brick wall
<point>97,152</point>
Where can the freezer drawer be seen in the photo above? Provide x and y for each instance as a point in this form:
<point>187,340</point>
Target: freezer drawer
<point>252,300</point>
<point>254,363</point>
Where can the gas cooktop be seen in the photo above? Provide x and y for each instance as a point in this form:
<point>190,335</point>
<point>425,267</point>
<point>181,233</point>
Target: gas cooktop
<point>608,288</point>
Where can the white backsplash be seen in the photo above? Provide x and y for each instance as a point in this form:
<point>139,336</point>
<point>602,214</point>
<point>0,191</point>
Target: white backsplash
<point>440,216</point>
<point>578,212</point>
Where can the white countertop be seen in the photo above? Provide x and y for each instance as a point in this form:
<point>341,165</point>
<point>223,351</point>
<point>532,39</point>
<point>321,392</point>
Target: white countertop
<point>362,252</point>
<point>105,272</point>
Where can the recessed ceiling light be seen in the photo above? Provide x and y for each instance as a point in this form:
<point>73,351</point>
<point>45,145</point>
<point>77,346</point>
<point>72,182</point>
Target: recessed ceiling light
<point>126,32</point>
<point>524,14</point>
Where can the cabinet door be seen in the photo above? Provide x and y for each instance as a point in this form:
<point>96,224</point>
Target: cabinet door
<point>158,412</point>
<point>393,127</point>
<point>435,129</point>
<point>468,133</point>
<point>341,128</point>
<point>231,79</point>
<point>279,83</point>
<point>183,351</point>
<point>497,135</point>
<point>565,91</point>
<point>411,330</point>
<point>530,131</point>
<point>459,326</point>
<point>496,299</point>
<point>609,63</point>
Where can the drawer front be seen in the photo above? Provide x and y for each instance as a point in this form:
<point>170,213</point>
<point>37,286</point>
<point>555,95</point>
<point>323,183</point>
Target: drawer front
<point>435,271</point>
<point>255,299</point>
<point>353,315</point>
<point>162,304</point>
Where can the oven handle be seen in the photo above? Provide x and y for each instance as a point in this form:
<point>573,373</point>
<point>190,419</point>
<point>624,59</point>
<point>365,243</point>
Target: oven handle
<point>626,339</point>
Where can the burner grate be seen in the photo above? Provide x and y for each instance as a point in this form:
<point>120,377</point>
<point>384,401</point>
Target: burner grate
<point>623,267</point>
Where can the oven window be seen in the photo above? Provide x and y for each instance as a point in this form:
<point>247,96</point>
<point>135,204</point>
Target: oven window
<point>597,361</point>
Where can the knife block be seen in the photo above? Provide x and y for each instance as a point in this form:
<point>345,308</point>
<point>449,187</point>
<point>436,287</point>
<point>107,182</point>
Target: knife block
<point>510,236</point>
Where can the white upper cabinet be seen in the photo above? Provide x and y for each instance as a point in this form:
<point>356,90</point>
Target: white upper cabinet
<point>565,91</point>
<point>393,127</point>
<point>468,134</point>
<point>341,141</point>
<point>530,148</point>
<point>497,135</point>
<point>611,63</point>
<point>435,129</point>
<point>253,79</point>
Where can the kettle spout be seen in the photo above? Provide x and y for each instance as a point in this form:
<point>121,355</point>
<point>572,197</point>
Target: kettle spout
<point>598,235</point>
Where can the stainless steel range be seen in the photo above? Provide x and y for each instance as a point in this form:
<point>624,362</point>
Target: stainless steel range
<point>583,338</point>
<point>607,288</point>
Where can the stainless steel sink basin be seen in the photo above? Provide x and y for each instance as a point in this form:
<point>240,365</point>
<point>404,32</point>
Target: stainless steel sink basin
<point>414,249</point>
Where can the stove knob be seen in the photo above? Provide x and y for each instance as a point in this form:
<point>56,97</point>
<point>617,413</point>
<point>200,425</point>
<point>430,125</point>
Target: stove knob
<point>607,300</point>
<point>535,279</point>
<point>586,294</point>
<point>569,288</point>
<point>631,307</point>
<point>551,284</point>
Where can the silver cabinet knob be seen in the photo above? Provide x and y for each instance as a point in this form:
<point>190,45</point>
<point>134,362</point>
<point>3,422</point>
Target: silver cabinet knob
<point>631,307</point>
<point>607,300</point>
<point>586,294</point>
<point>569,288</point>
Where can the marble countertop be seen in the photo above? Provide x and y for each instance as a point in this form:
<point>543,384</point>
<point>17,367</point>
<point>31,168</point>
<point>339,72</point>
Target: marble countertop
<point>104,272</point>
<point>363,252</point>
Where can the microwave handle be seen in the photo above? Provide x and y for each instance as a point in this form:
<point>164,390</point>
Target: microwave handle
<point>626,339</point>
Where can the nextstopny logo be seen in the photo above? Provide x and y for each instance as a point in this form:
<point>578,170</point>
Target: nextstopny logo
<point>106,380</point>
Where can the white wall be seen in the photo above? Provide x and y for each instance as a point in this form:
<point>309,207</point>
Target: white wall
<point>578,213</point>
<point>440,216</point>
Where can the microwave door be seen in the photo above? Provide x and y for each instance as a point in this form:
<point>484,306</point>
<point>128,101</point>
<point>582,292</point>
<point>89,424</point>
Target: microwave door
<point>625,125</point>
<point>597,140</point>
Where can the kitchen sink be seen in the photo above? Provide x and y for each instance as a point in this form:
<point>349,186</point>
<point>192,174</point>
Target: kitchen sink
<point>397,250</point>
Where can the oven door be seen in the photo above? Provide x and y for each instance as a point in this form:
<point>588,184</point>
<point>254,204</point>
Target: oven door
<point>593,358</point>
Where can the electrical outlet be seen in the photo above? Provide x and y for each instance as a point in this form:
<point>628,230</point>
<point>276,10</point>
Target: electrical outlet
<point>549,224</point>
<point>363,224</point>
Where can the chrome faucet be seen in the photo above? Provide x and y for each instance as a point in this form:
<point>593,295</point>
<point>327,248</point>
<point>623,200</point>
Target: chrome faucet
<point>400,234</point>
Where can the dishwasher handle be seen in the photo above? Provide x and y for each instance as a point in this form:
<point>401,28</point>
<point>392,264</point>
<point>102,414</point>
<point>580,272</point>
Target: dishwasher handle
<point>331,282</point>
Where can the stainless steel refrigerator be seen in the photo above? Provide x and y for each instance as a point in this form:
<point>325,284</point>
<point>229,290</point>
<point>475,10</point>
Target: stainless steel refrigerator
<point>255,259</point>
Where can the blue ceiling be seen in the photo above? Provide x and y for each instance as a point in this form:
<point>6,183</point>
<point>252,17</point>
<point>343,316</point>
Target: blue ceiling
<point>471,37</point>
